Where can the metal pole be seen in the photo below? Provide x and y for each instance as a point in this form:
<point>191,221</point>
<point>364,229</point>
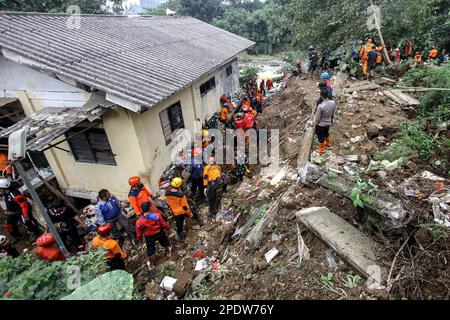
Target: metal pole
<point>41,208</point>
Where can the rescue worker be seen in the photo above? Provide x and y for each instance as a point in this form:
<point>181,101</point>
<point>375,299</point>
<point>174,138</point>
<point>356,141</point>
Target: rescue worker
<point>364,55</point>
<point>17,210</point>
<point>325,85</point>
<point>5,165</point>
<point>417,57</point>
<point>397,56</point>
<point>433,53</point>
<point>408,49</point>
<point>109,210</point>
<point>269,84</point>
<point>138,195</point>
<point>150,226</point>
<point>47,249</point>
<point>323,120</point>
<point>380,54</point>
<point>224,99</point>
<point>65,220</point>
<point>239,122</point>
<point>215,185</point>
<point>224,115</point>
<point>249,119</point>
<point>6,248</point>
<point>313,60</point>
<point>298,68</point>
<point>196,169</point>
<point>178,204</point>
<point>114,254</point>
<point>246,103</point>
<point>262,87</point>
<point>205,138</point>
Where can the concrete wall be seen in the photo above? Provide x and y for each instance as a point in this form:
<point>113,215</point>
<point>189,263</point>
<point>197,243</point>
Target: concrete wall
<point>229,84</point>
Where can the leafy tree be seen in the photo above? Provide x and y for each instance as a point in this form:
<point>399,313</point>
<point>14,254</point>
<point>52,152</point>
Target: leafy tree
<point>160,10</point>
<point>205,10</point>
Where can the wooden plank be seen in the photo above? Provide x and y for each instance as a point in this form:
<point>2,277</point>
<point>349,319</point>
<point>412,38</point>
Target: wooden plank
<point>363,87</point>
<point>350,243</point>
<point>394,98</point>
<point>411,101</point>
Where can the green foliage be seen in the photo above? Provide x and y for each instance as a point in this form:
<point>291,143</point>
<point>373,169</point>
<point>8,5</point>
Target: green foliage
<point>328,279</point>
<point>60,6</point>
<point>29,278</point>
<point>351,281</point>
<point>361,192</point>
<point>247,74</point>
<point>436,230</point>
<point>205,10</point>
<point>115,285</point>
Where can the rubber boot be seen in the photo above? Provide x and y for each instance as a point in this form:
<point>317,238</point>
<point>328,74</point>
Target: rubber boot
<point>321,148</point>
<point>169,252</point>
<point>328,142</point>
<point>151,263</point>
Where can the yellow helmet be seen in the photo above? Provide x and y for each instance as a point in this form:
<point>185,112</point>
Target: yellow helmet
<point>176,182</point>
<point>205,133</point>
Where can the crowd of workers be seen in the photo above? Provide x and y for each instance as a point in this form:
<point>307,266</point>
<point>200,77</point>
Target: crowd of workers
<point>176,201</point>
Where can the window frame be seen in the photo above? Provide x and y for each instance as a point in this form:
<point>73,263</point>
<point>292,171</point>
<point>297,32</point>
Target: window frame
<point>169,111</point>
<point>207,86</point>
<point>229,74</point>
<point>92,148</point>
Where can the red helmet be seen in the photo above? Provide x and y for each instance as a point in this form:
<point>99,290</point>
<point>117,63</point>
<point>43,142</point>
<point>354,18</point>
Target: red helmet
<point>134,180</point>
<point>105,229</point>
<point>46,240</point>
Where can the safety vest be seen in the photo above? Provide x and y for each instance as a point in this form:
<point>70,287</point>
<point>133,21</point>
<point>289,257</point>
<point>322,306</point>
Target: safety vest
<point>211,173</point>
<point>177,202</point>
<point>364,53</point>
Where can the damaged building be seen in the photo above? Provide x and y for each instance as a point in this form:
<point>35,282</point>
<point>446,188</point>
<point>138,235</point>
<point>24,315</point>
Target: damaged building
<point>103,96</point>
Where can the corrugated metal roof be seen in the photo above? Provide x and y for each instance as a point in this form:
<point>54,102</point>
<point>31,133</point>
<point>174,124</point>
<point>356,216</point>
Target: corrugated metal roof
<point>141,59</point>
<point>48,124</point>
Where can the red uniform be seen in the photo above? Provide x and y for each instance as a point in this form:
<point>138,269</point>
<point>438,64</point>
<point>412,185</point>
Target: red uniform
<point>52,253</point>
<point>150,225</point>
<point>249,121</point>
<point>239,123</point>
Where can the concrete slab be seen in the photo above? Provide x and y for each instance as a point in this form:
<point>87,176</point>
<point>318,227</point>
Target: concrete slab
<point>350,243</point>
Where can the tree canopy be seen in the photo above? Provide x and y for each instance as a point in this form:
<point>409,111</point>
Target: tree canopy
<point>59,6</point>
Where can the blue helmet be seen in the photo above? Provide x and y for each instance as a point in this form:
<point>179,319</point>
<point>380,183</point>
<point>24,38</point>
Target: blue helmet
<point>225,104</point>
<point>325,75</point>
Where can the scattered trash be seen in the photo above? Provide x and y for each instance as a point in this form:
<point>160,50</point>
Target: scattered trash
<point>441,210</point>
<point>202,264</point>
<point>330,259</point>
<point>275,237</point>
<point>391,166</point>
<point>352,158</point>
<point>439,185</point>
<point>410,193</point>
<point>357,139</point>
<point>167,283</point>
<point>431,176</point>
<point>199,255</point>
<point>272,253</point>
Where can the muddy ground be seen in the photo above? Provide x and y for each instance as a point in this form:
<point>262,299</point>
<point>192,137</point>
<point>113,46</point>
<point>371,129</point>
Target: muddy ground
<point>243,273</point>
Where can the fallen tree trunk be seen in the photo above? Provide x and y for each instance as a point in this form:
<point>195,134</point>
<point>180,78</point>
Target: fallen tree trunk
<point>255,236</point>
<point>384,204</point>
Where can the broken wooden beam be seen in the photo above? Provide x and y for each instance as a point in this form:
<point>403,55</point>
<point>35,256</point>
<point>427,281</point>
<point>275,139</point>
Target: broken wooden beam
<point>401,98</point>
<point>382,203</point>
<point>255,236</point>
<point>350,243</point>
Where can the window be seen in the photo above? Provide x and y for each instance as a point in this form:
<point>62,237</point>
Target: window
<point>171,121</point>
<point>208,86</point>
<point>91,146</point>
<point>229,70</point>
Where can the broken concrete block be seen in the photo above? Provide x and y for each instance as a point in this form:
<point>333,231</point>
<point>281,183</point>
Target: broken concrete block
<point>347,241</point>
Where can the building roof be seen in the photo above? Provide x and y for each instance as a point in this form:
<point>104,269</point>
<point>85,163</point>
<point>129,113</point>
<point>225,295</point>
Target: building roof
<point>142,59</point>
<point>6,101</point>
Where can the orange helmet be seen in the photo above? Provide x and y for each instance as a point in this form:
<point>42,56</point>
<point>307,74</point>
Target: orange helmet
<point>46,240</point>
<point>105,229</point>
<point>134,180</point>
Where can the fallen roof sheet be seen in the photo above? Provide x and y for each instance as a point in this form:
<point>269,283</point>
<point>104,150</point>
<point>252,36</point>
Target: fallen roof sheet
<point>141,59</point>
<point>6,101</point>
<point>48,124</point>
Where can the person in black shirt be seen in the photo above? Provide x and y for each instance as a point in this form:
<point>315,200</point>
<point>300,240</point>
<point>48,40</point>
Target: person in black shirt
<point>6,248</point>
<point>66,220</point>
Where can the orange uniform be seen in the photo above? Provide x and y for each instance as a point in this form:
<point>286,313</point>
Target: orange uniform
<point>211,173</point>
<point>111,246</point>
<point>177,202</point>
<point>223,100</point>
<point>51,253</point>
<point>138,197</point>
<point>224,114</point>
<point>418,58</point>
<point>364,54</point>
<point>433,54</point>
<point>4,164</point>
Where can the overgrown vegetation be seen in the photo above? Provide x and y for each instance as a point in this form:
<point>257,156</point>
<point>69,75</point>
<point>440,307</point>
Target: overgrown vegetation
<point>29,278</point>
<point>425,136</point>
<point>247,73</point>
<point>361,192</point>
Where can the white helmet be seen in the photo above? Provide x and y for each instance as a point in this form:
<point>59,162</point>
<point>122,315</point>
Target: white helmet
<point>5,184</point>
<point>2,240</point>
